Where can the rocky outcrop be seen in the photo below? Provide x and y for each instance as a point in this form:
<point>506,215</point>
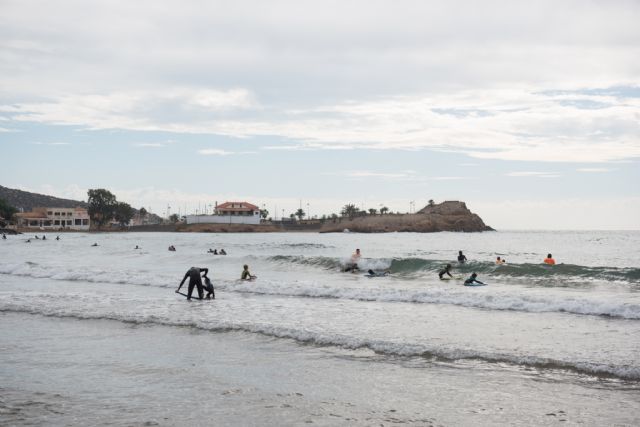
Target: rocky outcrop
<point>446,216</point>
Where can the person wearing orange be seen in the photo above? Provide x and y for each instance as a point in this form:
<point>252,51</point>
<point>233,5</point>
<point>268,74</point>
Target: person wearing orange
<point>549,260</point>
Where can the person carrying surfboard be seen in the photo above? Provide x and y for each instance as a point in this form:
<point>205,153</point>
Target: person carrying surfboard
<point>471,281</point>
<point>193,274</point>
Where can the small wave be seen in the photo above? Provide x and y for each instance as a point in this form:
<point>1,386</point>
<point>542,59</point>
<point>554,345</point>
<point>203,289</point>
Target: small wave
<point>494,300</point>
<point>581,304</point>
<point>388,348</point>
<point>402,266</point>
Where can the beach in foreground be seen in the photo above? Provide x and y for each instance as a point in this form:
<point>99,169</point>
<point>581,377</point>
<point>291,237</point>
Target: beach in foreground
<point>96,335</point>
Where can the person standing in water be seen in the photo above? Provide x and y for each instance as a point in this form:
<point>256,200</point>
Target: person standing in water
<point>499,261</point>
<point>353,262</point>
<point>461,258</point>
<point>445,270</point>
<point>246,275</point>
<point>549,260</point>
<point>193,274</point>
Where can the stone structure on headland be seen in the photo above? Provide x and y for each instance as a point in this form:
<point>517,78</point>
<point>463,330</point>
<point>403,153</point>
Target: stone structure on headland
<point>446,216</point>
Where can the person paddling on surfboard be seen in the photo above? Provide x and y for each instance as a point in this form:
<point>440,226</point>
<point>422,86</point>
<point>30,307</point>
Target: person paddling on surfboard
<point>193,274</point>
<point>445,270</point>
<point>471,281</point>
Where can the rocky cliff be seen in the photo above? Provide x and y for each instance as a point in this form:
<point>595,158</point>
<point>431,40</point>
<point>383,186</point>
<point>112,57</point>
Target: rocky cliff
<point>446,216</point>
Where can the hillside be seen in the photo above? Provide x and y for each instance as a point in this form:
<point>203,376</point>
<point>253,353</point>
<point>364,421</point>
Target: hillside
<point>26,201</point>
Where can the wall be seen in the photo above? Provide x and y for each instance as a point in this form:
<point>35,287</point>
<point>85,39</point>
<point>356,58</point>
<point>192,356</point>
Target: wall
<point>223,219</point>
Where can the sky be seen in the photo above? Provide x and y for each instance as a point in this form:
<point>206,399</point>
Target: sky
<point>527,111</point>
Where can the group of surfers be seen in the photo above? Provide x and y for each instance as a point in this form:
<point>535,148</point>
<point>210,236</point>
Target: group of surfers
<point>195,276</point>
<point>471,281</point>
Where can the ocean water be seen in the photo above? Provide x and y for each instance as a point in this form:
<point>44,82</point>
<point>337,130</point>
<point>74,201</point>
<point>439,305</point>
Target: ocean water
<point>97,336</point>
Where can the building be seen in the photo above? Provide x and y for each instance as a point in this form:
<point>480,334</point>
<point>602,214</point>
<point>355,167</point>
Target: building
<point>229,213</point>
<point>54,219</point>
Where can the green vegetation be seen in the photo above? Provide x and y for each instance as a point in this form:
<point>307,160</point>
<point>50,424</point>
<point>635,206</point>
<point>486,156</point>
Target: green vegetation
<point>6,210</point>
<point>103,207</point>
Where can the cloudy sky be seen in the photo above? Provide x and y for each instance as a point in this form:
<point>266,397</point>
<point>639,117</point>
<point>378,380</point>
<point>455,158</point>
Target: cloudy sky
<point>528,111</point>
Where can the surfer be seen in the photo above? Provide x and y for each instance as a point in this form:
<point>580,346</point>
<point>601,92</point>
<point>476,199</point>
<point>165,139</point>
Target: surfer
<point>246,275</point>
<point>137,247</point>
<point>222,252</point>
<point>95,244</point>
<point>172,248</point>
<point>44,237</point>
<point>445,270</point>
<point>4,236</point>
<point>549,260</point>
<point>500,261</point>
<point>57,237</point>
<point>208,286</point>
<point>372,273</point>
<point>472,280</point>
<point>461,258</point>
<point>193,274</point>
<point>353,262</point>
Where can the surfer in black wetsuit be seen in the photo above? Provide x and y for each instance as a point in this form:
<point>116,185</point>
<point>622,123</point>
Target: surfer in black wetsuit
<point>445,270</point>
<point>193,274</point>
<point>472,280</point>
<point>461,258</point>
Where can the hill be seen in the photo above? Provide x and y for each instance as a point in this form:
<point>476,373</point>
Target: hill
<point>26,201</point>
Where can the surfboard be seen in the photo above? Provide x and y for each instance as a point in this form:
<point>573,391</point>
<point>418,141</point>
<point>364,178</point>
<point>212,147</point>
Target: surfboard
<point>475,284</point>
<point>195,297</point>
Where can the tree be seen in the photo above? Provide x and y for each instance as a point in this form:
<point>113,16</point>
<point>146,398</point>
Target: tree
<point>174,218</point>
<point>123,212</point>
<point>349,210</point>
<point>300,214</point>
<point>334,217</point>
<point>431,202</point>
<point>264,213</point>
<point>101,206</point>
<point>6,210</point>
<point>384,210</point>
<point>373,211</point>
<point>143,212</point>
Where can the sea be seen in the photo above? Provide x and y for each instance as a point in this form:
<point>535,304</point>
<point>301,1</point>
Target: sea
<point>96,335</point>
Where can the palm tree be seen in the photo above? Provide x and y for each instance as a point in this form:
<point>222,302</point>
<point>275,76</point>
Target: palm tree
<point>300,214</point>
<point>384,210</point>
<point>349,210</point>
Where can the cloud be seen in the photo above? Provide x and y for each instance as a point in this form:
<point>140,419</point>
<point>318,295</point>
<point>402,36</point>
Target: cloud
<point>593,170</point>
<point>54,144</point>
<point>534,174</point>
<point>512,84</point>
<point>150,144</point>
<point>219,152</point>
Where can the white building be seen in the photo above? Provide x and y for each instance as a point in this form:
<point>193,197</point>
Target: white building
<point>229,213</point>
<point>55,219</point>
